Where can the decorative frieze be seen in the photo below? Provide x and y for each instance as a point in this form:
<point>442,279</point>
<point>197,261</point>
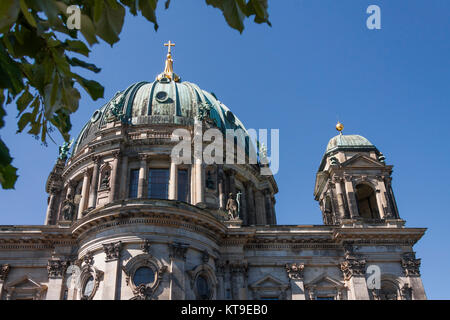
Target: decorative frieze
<point>145,246</point>
<point>56,268</point>
<point>178,250</point>
<point>112,250</point>
<point>410,265</point>
<point>353,267</point>
<point>295,270</point>
<point>4,270</point>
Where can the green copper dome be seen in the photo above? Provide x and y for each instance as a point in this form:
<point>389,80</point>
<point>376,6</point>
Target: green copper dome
<point>348,142</point>
<point>163,101</point>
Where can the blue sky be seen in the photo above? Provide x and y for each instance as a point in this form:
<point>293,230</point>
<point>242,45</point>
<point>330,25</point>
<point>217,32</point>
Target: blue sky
<point>317,63</point>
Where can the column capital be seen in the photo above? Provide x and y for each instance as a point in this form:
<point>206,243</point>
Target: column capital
<point>112,250</point>
<point>239,267</point>
<point>117,154</point>
<point>56,268</point>
<point>410,265</point>
<point>348,178</point>
<point>353,267</point>
<point>337,179</point>
<point>96,159</point>
<point>4,270</point>
<point>295,270</point>
<point>178,250</point>
<point>143,156</point>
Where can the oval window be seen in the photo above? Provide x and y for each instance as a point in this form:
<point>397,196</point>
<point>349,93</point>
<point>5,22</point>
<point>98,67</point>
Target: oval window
<point>96,115</point>
<point>143,275</point>
<point>88,286</point>
<point>161,96</point>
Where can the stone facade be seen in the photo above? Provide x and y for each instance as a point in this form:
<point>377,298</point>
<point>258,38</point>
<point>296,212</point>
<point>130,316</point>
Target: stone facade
<point>105,237</point>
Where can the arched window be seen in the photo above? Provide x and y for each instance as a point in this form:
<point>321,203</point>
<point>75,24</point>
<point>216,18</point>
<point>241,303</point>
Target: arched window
<point>367,202</point>
<point>203,288</point>
<point>388,291</point>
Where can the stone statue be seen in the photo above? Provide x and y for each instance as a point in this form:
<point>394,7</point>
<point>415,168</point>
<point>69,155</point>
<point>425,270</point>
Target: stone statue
<point>64,150</point>
<point>105,181</point>
<point>232,208</point>
<point>68,208</point>
<point>115,111</point>
<point>238,200</point>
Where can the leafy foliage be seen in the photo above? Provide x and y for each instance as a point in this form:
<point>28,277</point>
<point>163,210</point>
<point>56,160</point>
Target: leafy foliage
<point>37,66</point>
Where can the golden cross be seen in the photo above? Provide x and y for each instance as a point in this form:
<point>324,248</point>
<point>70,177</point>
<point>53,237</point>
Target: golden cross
<point>169,44</point>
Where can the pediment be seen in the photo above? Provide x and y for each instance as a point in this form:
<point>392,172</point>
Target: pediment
<point>268,282</point>
<point>361,161</point>
<point>27,284</point>
<point>325,281</point>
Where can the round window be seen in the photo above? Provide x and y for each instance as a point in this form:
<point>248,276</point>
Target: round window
<point>202,288</point>
<point>143,275</point>
<point>88,286</point>
<point>96,116</point>
<point>161,96</point>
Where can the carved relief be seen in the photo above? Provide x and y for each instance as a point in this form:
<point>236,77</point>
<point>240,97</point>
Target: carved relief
<point>178,250</point>
<point>353,267</point>
<point>410,265</point>
<point>56,268</point>
<point>145,246</point>
<point>112,250</point>
<point>4,270</point>
<point>295,270</point>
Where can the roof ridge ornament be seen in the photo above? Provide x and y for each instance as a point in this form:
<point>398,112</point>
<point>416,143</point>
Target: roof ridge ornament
<point>168,70</point>
<point>339,127</point>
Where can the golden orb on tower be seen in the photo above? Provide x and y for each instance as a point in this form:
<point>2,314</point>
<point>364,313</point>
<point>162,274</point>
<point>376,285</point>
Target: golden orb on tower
<point>339,127</point>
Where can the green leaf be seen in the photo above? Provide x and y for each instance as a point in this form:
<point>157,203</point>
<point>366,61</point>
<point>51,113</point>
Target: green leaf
<point>8,173</point>
<point>2,110</point>
<point>98,9</point>
<point>49,8</point>
<point>232,11</point>
<point>10,74</point>
<point>132,5</point>
<point>147,8</point>
<point>25,119</point>
<point>9,11</point>
<point>27,14</point>
<point>95,89</point>
<point>79,63</point>
<point>110,24</point>
<point>24,100</point>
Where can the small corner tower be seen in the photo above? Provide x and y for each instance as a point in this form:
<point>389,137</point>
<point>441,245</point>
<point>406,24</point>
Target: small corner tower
<point>353,183</point>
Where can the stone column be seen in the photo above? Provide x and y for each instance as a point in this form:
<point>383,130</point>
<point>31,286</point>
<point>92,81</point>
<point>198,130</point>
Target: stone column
<point>142,185</point>
<point>221,187</point>
<point>231,176</point>
<point>238,275</point>
<point>4,270</point>
<point>260,210</point>
<point>351,199</point>
<point>295,274</point>
<point>114,177</point>
<point>268,206</point>
<point>411,270</point>
<point>220,273</point>
<point>94,184</point>
<point>199,181</point>
<point>123,178</point>
<point>112,268</point>
<point>380,203</point>
<point>354,274</point>
<point>50,207</point>
<point>173,181</point>
<point>244,214</point>
<point>177,268</point>
<point>56,270</point>
<point>84,194</point>
<point>391,196</point>
<point>250,204</point>
<point>340,197</point>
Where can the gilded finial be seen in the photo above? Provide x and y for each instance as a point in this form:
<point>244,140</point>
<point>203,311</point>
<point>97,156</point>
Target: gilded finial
<point>168,70</point>
<point>339,127</point>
